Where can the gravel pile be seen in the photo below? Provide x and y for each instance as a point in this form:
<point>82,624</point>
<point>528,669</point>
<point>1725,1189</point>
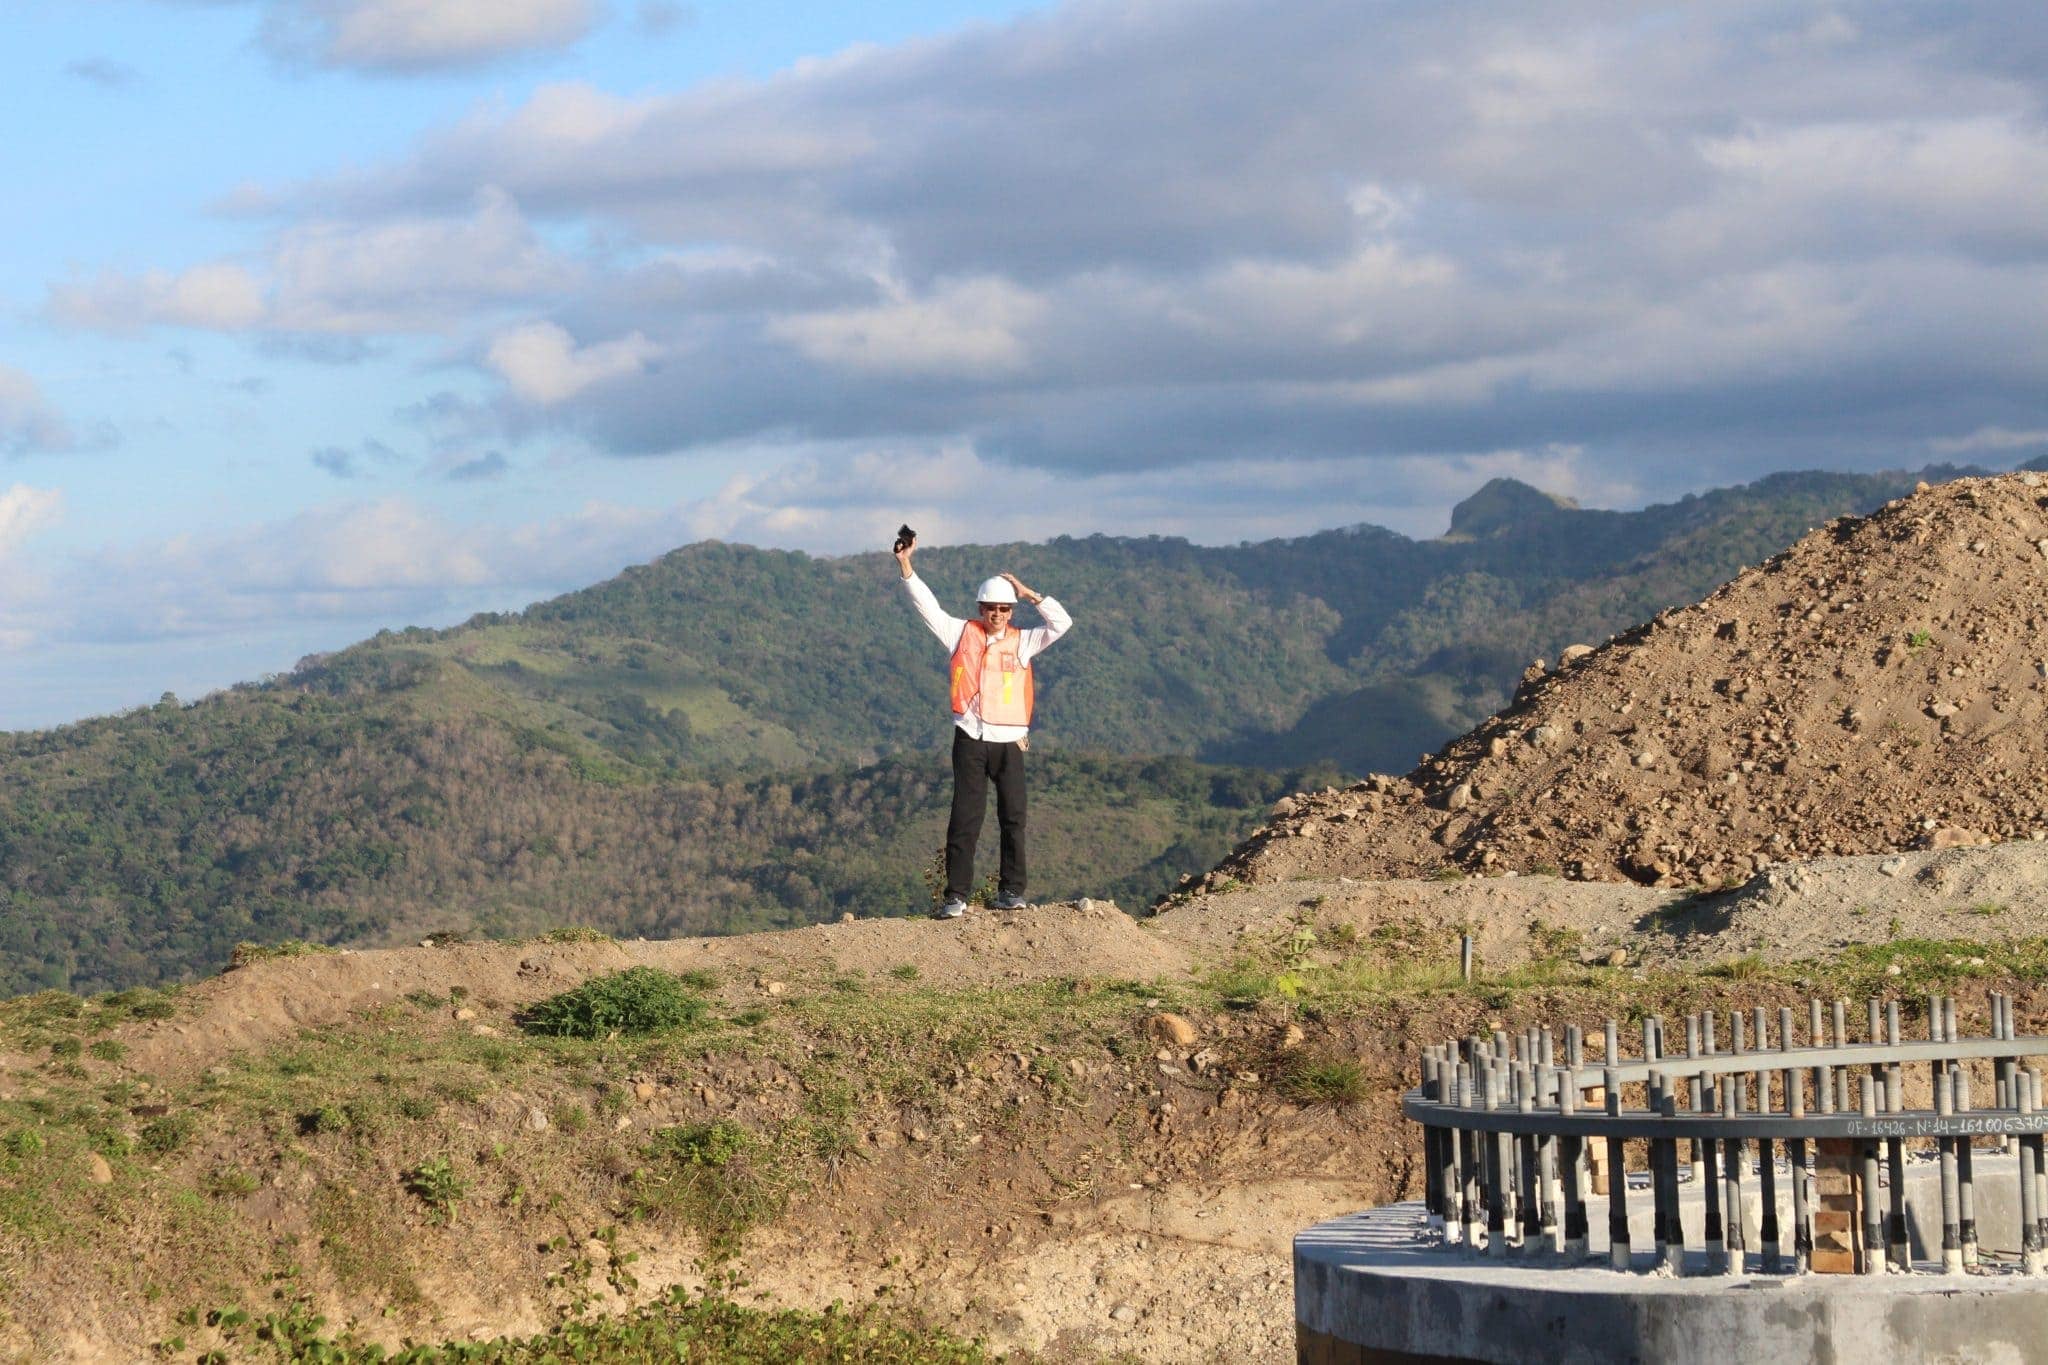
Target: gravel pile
<point>1879,687</point>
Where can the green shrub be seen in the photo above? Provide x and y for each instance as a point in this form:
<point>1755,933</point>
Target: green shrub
<point>23,1143</point>
<point>636,1000</point>
<point>109,1049</point>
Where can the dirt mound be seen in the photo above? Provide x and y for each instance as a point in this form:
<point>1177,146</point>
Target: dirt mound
<point>269,1001</point>
<point>1878,687</point>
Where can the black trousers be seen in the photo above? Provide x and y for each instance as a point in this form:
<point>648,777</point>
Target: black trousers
<point>975,763</point>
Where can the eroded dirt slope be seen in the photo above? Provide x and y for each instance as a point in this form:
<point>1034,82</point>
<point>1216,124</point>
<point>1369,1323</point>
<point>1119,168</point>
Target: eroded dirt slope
<point>991,1119</point>
<point>1878,687</point>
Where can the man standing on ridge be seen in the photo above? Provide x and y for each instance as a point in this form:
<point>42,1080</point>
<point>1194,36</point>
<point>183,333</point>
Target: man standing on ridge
<point>991,696</point>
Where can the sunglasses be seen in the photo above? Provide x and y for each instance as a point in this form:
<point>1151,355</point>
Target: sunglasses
<point>997,606</point>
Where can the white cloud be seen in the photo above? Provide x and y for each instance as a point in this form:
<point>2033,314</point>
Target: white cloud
<point>544,365</point>
<point>964,328</point>
<point>217,296</point>
<point>1114,232</point>
<point>1989,439</point>
<point>851,501</point>
<point>410,273</point>
<point>27,421</point>
<point>25,511</point>
<point>411,35</point>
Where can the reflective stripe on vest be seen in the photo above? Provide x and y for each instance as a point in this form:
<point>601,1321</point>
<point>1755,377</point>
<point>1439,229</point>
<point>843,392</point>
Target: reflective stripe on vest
<point>994,674</point>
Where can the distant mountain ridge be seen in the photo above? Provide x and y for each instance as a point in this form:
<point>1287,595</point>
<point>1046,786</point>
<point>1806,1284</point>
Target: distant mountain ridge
<point>731,737</point>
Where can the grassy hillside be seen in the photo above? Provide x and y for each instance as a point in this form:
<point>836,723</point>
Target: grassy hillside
<point>732,738</point>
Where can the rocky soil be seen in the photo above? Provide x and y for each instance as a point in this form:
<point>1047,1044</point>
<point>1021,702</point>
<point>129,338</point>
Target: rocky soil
<point>1882,686</point>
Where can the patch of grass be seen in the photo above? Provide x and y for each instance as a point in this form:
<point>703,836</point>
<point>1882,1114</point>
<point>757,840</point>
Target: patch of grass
<point>1927,964</point>
<point>1317,1077</point>
<point>1987,908</point>
<point>1554,941</point>
<point>108,1049</point>
<point>246,953</point>
<point>415,1107</point>
<point>572,933</point>
<point>1748,967</point>
<point>231,1182</point>
<point>637,1000</point>
<point>357,1244</point>
<point>718,1178</point>
<point>905,971</point>
<point>677,1327</point>
<point>167,1134</point>
<point>139,1002</point>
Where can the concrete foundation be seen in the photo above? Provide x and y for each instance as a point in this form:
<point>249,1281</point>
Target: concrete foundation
<point>1376,1287</point>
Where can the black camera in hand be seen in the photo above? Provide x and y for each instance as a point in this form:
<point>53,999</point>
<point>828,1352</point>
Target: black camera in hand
<point>905,538</point>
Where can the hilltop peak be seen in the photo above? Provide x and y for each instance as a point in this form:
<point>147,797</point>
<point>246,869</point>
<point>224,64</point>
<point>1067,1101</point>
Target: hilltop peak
<point>1502,505</point>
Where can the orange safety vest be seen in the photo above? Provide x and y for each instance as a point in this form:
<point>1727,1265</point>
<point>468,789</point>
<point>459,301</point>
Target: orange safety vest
<point>996,675</point>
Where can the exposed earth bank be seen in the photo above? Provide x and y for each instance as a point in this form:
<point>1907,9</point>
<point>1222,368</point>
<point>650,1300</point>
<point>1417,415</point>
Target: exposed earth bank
<point>1071,1132</point>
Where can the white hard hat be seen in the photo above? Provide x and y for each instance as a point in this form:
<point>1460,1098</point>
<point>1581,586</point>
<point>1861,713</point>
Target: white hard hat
<point>996,590</point>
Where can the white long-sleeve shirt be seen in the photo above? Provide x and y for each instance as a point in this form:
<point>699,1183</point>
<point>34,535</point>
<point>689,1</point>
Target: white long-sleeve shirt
<point>1029,643</point>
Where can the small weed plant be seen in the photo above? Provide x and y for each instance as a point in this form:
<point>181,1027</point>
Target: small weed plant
<point>437,1186</point>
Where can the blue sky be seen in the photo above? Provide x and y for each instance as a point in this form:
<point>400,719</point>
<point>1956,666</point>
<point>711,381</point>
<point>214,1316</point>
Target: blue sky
<point>318,316</point>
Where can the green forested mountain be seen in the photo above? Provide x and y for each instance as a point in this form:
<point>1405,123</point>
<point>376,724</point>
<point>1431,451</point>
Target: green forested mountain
<point>732,738</point>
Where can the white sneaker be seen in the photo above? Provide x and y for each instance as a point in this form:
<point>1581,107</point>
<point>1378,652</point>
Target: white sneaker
<point>954,908</point>
<point>1010,900</point>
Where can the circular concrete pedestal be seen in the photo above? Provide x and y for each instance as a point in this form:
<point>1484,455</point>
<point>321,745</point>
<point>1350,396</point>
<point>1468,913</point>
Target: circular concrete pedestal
<point>1377,1286</point>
